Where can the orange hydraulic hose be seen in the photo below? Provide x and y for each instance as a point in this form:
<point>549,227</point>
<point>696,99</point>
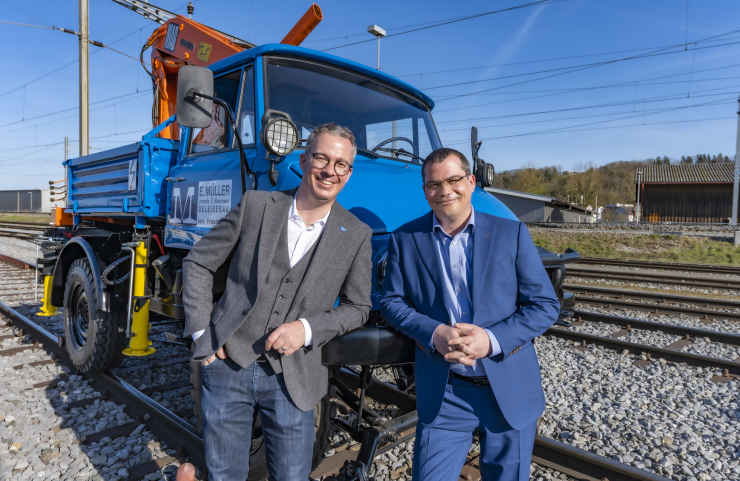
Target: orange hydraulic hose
<point>304,26</point>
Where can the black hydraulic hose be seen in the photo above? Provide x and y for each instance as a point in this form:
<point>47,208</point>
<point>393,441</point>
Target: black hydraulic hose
<point>104,276</point>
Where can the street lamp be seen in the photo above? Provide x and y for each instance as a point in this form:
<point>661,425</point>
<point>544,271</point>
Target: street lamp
<point>378,32</point>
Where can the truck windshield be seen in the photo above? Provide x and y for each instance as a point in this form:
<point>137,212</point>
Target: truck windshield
<point>314,94</point>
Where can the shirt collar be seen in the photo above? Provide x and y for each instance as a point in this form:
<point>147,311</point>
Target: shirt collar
<point>436,226</point>
<point>293,215</point>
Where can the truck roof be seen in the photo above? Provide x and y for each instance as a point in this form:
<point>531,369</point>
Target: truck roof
<point>252,53</point>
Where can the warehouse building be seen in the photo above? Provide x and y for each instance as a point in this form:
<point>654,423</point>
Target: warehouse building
<point>693,193</point>
<point>540,208</point>
<point>27,200</point>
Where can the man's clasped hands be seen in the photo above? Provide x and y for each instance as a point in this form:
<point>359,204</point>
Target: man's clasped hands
<point>462,343</point>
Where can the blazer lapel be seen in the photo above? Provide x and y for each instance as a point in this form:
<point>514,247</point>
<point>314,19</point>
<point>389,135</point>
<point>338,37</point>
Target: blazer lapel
<point>325,252</point>
<point>485,232</point>
<point>427,247</point>
<point>273,220</point>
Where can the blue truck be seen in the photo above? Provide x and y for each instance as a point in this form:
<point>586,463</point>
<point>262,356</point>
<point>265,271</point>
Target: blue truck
<point>138,209</point>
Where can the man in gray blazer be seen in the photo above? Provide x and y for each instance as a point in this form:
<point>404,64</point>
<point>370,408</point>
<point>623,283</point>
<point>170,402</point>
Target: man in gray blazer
<point>294,253</point>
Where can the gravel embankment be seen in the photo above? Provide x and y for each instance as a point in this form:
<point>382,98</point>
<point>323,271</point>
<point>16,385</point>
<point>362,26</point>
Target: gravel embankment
<point>666,418</point>
<point>43,439</point>
<point>19,249</point>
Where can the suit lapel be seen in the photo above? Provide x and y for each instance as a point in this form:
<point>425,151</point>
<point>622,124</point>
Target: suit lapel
<point>429,254</point>
<point>273,220</point>
<point>325,253</point>
<point>485,232</point>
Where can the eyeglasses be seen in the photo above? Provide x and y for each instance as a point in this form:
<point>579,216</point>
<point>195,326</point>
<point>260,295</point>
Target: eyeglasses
<point>320,161</point>
<point>434,186</point>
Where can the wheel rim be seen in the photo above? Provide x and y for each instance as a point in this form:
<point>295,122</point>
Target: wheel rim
<point>79,317</point>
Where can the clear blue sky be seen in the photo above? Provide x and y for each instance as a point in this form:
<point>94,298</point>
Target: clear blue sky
<point>655,105</point>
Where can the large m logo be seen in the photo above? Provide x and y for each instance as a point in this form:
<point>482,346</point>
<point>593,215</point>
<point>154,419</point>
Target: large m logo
<point>183,207</point>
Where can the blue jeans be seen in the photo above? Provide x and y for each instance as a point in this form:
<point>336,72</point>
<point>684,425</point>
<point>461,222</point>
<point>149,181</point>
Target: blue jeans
<point>442,446</point>
<point>231,398</point>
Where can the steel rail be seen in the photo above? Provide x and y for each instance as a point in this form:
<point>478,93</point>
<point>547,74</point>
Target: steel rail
<point>663,299</point>
<point>581,464</point>
<point>667,266</point>
<point>567,459</point>
<point>724,338</point>
<point>633,276</point>
<point>662,309</point>
<point>170,428</point>
<point>655,352</point>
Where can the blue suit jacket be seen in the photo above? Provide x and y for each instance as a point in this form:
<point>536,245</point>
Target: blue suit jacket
<point>512,296</point>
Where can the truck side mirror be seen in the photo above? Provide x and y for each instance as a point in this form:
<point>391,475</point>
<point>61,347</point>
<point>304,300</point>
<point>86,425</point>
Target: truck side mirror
<point>193,111</point>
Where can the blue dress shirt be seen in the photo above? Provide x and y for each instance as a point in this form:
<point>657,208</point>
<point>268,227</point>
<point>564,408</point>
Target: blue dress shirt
<point>456,256</point>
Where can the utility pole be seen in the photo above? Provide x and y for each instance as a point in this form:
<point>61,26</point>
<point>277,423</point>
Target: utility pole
<point>733,221</point>
<point>378,32</point>
<point>84,78</point>
<point>66,149</point>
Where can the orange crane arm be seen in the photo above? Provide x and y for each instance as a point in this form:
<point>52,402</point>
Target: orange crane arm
<point>183,41</point>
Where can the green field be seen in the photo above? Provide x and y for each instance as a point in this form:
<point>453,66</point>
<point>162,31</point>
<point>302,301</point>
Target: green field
<point>643,247</point>
<point>35,218</point>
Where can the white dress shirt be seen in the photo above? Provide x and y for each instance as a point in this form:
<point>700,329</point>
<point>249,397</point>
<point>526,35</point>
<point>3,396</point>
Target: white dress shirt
<point>301,238</point>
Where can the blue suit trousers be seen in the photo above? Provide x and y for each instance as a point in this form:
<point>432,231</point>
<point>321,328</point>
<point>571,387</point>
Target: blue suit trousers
<point>442,446</point>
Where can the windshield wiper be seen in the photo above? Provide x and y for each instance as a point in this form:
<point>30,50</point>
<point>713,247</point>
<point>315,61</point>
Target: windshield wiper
<point>402,151</point>
<point>368,152</point>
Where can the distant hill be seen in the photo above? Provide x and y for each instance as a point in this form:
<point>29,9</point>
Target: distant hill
<point>611,183</point>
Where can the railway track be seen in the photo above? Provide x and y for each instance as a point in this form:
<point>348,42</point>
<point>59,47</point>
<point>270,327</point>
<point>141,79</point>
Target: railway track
<point>654,278</point>
<point>21,230</point>
<point>181,435</point>
<point>663,266</point>
<point>702,308</point>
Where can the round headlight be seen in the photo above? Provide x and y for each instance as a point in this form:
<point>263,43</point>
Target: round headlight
<point>490,174</point>
<point>280,136</point>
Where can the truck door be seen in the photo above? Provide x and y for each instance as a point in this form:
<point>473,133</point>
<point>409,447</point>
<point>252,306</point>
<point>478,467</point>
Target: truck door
<point>206,183</point>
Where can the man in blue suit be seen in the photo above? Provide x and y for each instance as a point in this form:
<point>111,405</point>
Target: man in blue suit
<point>471,290</point>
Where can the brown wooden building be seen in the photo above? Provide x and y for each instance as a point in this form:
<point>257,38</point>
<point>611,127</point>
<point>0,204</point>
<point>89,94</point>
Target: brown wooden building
<point>699,193</point>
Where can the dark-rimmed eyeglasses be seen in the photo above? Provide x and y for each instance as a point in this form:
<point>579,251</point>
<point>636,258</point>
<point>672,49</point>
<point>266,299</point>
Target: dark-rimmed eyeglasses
<point>434,185</point>
<point>320,161</point>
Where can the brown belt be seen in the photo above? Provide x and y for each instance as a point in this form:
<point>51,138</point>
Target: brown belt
<point>477,380</point>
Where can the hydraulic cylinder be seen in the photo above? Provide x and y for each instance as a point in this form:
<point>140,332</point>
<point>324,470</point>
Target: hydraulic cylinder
<point>140,345</point>
<point>46,308</point>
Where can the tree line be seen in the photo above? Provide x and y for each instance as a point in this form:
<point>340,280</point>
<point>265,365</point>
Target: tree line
<point>608,184</point>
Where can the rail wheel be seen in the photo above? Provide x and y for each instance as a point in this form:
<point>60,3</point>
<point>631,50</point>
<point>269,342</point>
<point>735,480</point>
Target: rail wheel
<point>95,339</point>
<point>257,459</point>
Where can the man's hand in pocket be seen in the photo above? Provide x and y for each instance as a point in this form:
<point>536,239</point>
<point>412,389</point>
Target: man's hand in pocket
<point>221,353</point>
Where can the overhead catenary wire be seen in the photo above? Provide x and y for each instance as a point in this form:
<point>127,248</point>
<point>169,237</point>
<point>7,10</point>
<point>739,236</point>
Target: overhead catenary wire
<point>70,116</point>
<point>75,61</point>
<point>448,22</point>
<point>554,59</point>
<point>467,141</point>
<point>564,73</point>
<point>641,114</point>
<point>579,67</point>
<point>437,112</point>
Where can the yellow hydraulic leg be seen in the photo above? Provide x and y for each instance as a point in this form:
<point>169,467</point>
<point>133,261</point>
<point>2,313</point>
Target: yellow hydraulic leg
<point>47,309</point>
<point>140,345</point>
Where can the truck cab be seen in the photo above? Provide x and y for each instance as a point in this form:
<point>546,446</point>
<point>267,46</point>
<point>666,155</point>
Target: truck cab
<point>391,120</point>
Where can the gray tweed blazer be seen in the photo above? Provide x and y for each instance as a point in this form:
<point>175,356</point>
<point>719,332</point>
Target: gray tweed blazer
<point>341,268</point>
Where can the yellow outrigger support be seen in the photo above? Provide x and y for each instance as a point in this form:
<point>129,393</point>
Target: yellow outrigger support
<point>138,327</point>
<point>46,308</point>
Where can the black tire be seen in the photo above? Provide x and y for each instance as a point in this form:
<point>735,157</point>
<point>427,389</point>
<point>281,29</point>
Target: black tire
<point>94,339</point>
<point>257,459</point>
